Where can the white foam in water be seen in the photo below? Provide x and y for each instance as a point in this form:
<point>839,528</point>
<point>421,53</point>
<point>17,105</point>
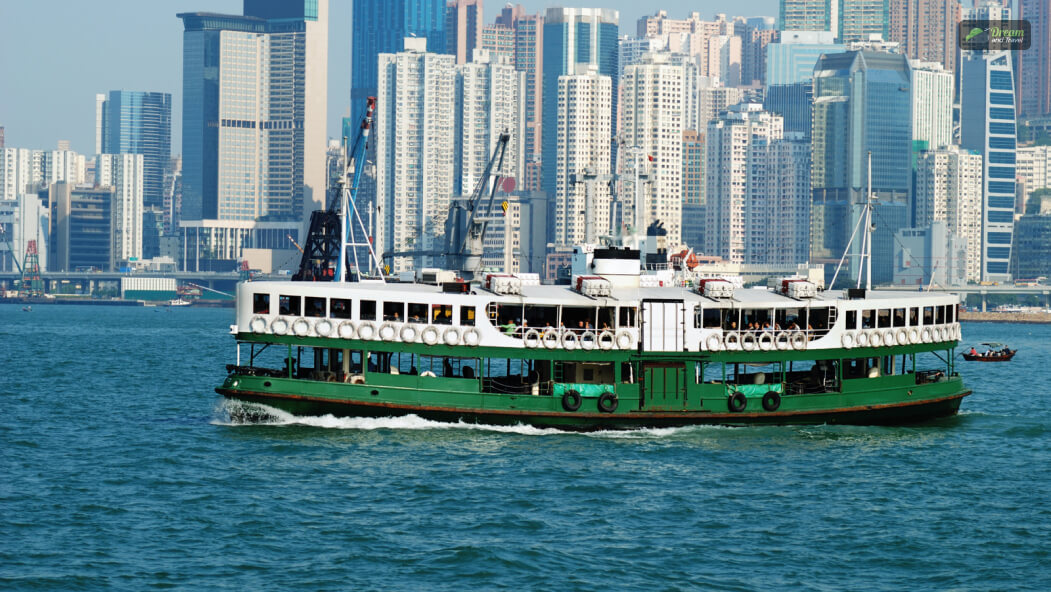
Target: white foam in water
<point>238,413</point>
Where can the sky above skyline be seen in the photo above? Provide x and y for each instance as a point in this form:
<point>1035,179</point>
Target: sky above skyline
<point>55,55</point>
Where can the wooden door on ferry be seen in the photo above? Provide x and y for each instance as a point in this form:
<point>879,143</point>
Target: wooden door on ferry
<point>663,325</point>
<point>663,386</point>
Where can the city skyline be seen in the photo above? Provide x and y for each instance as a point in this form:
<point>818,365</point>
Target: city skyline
<point>41,107</point>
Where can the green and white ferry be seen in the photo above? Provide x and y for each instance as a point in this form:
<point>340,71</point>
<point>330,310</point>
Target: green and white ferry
<point>616,349</point>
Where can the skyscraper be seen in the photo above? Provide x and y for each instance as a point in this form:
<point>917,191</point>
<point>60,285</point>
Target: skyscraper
<point>949,190</point>
<point>932,97</point>
<point>693,188</point>
<point>125,174</point>
<point>861,19</point>
<point>139,123</point>
<point>415,150</point>
<point>1034,64</point>
<point>987,126</point>
<point>926,29</point>
<point>463,28</point>
<point>809,15</point>
<point>381,26</point>
<point>862,105</point>
<point>529,59</point>
<point>488,103</point>
<point>574,36</point>
<point>254,137</point>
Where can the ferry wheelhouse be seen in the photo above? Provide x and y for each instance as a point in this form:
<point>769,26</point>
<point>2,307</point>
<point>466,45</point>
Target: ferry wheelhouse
<point>616,349</point>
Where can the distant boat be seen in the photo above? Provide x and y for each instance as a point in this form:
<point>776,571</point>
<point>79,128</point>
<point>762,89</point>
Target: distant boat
<point>27,309</point>
<point>997,352</point>
<point>178,302</point>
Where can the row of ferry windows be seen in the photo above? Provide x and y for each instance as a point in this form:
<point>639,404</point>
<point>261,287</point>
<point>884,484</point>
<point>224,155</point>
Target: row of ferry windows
<point>368,310</point>
<point>736,319</point>
<point>885,318</point>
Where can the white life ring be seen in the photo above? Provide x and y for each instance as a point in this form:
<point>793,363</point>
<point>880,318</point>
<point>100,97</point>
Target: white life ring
<point>427,374</point>
<point>847,340</point>
<point>279,326</point>
<point>957,331</point>
<point>430,335</point>
<point>799,341</point>
<point>939,334</point>
<point>876,338</point>
<point>531,338</point>
<point>783,341</point>
<point>862,339</point>
<point>624,339</point>
<point>257,324</point>
<point>408,334</point>
<point>301,327</point>
<point>570,341</point>
<point>366,330</point>
<point>606,341</point>
<point>345,330</point>
<point>888,338</point>
<point>766,341</point>
<point>451,336</point>
<point>471,337</point>
<point>323,327</point>
<point>713,343</point>
<point>914,335</point>
<point>748,342</point>
<point>902,336</point>
<point>732,341</point>
<point>587,341</point>
<point>551,338</point>
<point>387,331</point>
<point>926,335</point>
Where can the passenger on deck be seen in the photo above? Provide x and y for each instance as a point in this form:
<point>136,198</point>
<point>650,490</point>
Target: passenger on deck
<point>509,328</point>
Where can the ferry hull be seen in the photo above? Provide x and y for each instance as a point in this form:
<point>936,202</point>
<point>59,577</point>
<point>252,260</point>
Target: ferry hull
<point>901,413</point>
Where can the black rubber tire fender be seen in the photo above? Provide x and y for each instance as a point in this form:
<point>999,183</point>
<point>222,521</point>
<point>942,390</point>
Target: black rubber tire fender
<point>571,400</point>
<point>771,400</point>
<point>607,402</point>
<point>736,402</point>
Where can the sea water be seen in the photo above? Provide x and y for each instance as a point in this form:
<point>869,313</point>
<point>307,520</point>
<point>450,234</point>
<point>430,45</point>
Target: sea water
<point>121,469</point>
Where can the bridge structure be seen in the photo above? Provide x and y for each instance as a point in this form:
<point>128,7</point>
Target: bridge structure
<point>985,291</point>
<point>90,281</point>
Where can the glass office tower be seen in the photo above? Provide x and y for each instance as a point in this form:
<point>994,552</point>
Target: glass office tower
<point>140,123</point>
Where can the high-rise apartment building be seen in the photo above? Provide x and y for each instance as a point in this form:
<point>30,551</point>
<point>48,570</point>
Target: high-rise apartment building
<point>713,98</point>
<point>1033,171</point>
<point>488,103</point>
<point>24,171</point>
<point>860,20</point>
<point>631,50</point>
<point>415,148</point>
<point>1034,64</point>
<point>653,118</point>
<point>809,15</point>
<point>987,126</point>
<point>932,99</point>
<point>125,174</point>
<point>254,136</point>
<point>926,29</point>
<point>949,190</point>
<point>713,44</point>
<point>754,41</point>
<point>529,59</point>
<point>757,190</point>
<point>135,122</point>
<point>463,28</point>
<point>499,41</point>
<point>862,106</point>
<point>381,26</point>
<point>583,113</point>
<point>574,38</point>
<point>693,188</point>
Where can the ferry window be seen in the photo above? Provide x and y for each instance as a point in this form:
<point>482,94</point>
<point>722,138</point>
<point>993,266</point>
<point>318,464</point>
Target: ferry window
<point>541,316</point>
<point>818,319</point>
<point>852,320</point>
<point>914,316</point>
<point>260,303</point>
<point>941,315</point>
<point>579,319</point>
<point>928,315</point>
<point>950,312</point>
<point>867,319</point>
<point>315,307</point>
<point>605,317</point>
<point>442,314</point>
<point>393,311</point>
<point>367,310</point>
<point>417,312</point>
<point>627,372</point>
<point>899,317</point>
<point>626,317</point>
<point>288,305</point>
<point>712,318</point>
<point>507,314</point>
<point>883,318</point>
<point>340,308</point>
<point>731,319</point>
<point>467,316</point>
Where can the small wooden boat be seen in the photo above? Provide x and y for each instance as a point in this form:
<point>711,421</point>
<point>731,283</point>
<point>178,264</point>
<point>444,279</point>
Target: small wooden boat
<point>997,352</point>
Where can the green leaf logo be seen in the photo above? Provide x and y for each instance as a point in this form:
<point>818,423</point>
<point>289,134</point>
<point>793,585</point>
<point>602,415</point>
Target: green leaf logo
<point>974,33</point>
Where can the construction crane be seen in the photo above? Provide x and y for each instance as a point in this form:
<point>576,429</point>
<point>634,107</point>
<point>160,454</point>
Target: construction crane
<point>325,248</point>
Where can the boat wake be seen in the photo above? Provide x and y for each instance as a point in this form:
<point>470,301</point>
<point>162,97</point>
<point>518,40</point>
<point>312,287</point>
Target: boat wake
<point>231,412</point>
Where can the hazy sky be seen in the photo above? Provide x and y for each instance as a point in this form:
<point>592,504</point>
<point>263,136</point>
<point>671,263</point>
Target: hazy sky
<point>55,55</point>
